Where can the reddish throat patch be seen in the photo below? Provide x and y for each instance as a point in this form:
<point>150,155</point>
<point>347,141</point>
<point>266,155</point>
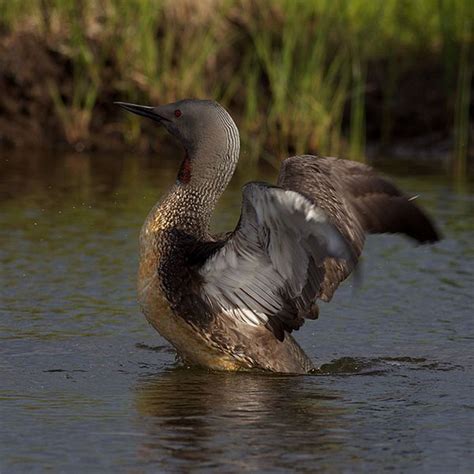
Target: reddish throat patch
<point>184,175</point>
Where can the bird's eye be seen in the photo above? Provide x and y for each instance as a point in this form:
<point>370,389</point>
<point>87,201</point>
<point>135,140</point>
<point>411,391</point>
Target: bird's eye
<point>177,113</point>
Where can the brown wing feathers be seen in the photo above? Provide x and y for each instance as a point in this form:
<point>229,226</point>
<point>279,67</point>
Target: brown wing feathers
<point>381,213</point>
<point>358,201</point>
<point>283,255</point>
<point>378,205</point>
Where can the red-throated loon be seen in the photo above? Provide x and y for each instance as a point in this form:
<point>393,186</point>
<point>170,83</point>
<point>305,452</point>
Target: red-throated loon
<point>232,302</point>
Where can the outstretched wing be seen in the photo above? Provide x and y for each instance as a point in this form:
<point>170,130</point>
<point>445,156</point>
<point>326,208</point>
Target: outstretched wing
<point>357,201</point>
<point>270,270</point>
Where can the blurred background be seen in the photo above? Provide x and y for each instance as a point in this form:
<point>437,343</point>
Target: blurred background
<point>84,381</point>
<point>359,78</point>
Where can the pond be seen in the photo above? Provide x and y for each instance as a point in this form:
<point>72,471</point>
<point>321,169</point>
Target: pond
<point>85,382</point>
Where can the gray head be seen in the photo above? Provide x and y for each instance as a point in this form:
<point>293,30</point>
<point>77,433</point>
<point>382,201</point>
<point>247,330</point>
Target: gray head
<point>191,121</point>
<point>208,134</point>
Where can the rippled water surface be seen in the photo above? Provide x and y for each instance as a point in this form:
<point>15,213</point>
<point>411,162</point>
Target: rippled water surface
<point>86,385</point>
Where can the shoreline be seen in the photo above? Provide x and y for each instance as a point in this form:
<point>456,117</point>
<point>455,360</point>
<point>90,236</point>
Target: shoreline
<point>38,110</point>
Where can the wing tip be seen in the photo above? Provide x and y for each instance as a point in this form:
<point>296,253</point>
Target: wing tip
<point>422,227</point>
<point>430,235</point>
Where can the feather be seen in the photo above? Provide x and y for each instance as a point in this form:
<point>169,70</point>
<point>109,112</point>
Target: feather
<point>270,269</point>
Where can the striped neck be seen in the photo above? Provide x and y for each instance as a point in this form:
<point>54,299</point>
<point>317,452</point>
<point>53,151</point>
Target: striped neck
<point>203,176</point>
<point>212,160</point>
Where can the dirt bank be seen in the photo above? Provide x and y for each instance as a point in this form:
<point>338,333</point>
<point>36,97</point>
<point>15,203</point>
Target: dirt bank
<point>35,74</point>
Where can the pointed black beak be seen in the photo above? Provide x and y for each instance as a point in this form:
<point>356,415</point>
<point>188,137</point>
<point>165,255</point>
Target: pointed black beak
<point>143,110</point>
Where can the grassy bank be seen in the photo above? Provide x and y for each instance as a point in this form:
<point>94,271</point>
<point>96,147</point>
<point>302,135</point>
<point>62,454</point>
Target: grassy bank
<point>301,75</point>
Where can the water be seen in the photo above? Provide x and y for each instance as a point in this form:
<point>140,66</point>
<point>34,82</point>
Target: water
<point>87,386</point>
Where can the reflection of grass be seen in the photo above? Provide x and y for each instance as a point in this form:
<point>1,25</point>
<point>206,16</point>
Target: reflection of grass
<point>291,67</point>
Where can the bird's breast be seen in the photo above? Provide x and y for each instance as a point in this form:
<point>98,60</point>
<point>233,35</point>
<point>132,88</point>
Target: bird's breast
<point>191,342</point>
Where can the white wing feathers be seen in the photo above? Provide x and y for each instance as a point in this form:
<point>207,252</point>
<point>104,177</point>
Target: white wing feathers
<point>270,270</point>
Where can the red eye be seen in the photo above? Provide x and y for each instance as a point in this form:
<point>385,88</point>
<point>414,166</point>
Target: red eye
<point>177,113</point>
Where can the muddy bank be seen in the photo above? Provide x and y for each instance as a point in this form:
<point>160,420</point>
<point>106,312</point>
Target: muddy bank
<point>29,69</point>
<point>37,74</point>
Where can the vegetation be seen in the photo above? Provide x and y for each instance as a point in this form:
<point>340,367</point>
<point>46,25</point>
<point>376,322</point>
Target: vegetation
<point>297,71</point>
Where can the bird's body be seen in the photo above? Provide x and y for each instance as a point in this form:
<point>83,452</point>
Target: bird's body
<point>231,302</point>
<point>169,295</point>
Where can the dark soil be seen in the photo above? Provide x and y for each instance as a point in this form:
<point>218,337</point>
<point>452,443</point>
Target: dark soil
<point>28,67</point>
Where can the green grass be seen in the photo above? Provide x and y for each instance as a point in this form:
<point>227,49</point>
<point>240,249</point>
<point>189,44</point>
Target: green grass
<point>292,69</point>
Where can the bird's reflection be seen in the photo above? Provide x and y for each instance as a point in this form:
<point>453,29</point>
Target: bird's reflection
<point>239,420</point>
